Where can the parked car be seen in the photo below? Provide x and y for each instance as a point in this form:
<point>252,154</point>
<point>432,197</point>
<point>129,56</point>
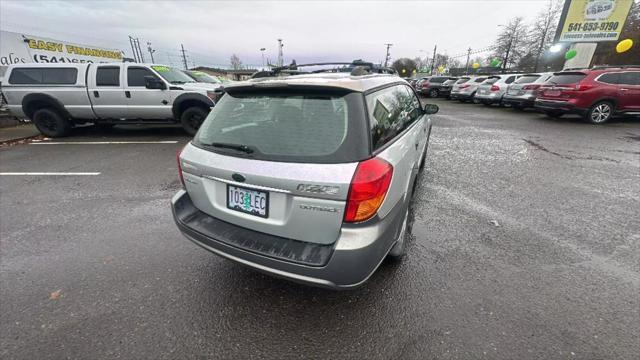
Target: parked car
<point>465,88</point>
<point>309,178</point>
<point>203,77</point>
<point>58,96</point>
<point>431,86</point>
<point>494,87</point>
<point>445,89</point>
<point>596,94</point>
<point>523,92</point>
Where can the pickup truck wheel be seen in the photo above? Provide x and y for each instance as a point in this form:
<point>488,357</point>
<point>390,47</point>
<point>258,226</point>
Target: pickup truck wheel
<point>192,118</point>
<point>50,123</point>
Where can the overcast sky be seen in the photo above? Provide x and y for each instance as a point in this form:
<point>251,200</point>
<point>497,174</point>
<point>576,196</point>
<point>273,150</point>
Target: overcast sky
<point>312,30</point>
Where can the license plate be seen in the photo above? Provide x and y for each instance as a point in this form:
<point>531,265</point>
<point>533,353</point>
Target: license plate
<point>248,201</point>
<point>552,92</point>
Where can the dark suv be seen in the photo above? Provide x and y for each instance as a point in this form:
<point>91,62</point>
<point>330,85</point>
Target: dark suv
<point>597,94</point>
<point>432,86</point>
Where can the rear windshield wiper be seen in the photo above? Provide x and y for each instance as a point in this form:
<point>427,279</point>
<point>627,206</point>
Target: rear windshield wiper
<point>239,147</point>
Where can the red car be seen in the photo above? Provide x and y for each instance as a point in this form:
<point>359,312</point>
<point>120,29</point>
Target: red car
<point>597,94</point>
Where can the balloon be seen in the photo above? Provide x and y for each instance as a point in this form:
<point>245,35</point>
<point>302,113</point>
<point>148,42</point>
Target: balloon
<point>440,68</point>
<point>570,54</point>
<point>495,62</point>
<point>476,65</point>
<point>404,71</point>
<point>624,45</point>
<point>415,71</point>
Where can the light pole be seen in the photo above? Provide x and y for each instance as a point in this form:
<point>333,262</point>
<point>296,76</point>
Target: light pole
<point>262,52</point>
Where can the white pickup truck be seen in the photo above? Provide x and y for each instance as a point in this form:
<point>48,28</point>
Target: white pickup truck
<point>58,96</point>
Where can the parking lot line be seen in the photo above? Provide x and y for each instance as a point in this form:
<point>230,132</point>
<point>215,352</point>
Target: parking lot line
<point>102,142</point>
<point>49,173</point>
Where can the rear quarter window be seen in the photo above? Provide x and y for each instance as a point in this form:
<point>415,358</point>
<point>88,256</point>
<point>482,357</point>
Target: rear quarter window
<point>527,79</point>
<point>43,76</point>
<point>391,110</point>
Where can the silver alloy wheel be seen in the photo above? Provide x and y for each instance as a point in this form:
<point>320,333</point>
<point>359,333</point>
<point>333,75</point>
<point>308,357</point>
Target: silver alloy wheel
<point>601,113</point>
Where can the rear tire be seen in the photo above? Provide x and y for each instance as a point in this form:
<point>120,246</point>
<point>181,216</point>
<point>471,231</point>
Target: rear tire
<point>192,118</point>
<point>50,123</point>
<point>600,113</point>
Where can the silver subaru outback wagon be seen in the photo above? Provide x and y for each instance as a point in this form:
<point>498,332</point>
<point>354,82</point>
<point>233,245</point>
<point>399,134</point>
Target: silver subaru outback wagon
<point>306,177</point>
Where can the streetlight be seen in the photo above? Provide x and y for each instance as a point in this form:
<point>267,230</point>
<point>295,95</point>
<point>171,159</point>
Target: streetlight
<point>262,52</point>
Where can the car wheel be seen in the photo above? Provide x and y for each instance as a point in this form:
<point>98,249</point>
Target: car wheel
<point>600,112</point>
<point>50,123</point>
<point>434,93</point>
<point>399,250</point>
<point>553,114</point>
<point>192,118</point>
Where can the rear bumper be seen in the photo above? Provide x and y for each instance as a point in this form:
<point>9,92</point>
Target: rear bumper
<point>523,101</point>
<point>493,98</point>
<point>347,263</point>
<point>564,107</point>
<point>461,96</point>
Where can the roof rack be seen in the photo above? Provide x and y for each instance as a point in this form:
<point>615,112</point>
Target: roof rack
<point>356,68</point>
<point>602,67</point>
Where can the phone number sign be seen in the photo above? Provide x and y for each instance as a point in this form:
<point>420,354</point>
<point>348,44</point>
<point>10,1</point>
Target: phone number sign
<point>592,20</point>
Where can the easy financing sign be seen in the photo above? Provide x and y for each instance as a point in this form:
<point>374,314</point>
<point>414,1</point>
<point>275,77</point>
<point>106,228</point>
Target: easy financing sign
<point>592,20</point>
<point>21,48</point>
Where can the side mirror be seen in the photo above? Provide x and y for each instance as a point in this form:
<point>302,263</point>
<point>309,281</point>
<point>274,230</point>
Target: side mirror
<point>152,82</point>
<point>431,109</point>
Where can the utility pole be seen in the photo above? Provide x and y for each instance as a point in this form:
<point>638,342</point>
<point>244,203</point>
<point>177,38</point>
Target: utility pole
<point>151,51</point>
<point>135,48</point>
<point>388,57</point>
<point>433,60</point>
<point>466,72</point>
<point>184,58</point>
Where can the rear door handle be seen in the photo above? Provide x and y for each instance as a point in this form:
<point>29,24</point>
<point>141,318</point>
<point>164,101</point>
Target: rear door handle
<point>127,94</point>
<point>96,94</point>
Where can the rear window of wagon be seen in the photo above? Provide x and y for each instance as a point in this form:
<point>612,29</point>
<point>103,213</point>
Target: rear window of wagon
<point>289,126</point>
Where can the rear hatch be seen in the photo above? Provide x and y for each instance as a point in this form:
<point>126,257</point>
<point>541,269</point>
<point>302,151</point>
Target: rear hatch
<point>562,86</point>
<point>524,85</point>
<point>485,87</point>
<point>278,160</point>
<point>456,86</point>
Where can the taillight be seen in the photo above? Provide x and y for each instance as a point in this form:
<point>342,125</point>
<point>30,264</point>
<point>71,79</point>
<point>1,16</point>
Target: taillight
<point>368,189</point>
<point>464,86</point>
<point>583,86</point>
<point>180,166</point>
<point>495,88</point>
<point>531,87</point>
<point>425,84</point>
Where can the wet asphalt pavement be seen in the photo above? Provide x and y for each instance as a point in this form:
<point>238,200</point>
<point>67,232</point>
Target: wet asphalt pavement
<point>525,245</point>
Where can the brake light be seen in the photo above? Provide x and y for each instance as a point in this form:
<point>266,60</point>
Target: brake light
<point>583,86</point>
<point>425,84</point>
<point>531,87</point>
<point>368,189</point>
<point>180,166</point>
<point>495,88</point>
<point>464,86</point>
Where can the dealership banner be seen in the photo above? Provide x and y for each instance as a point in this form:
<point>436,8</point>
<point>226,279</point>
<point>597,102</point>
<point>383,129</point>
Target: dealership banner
<point>592,20</point>
<point>23,48</point>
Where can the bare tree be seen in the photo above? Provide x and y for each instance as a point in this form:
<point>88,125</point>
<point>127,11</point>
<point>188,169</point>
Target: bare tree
<point>510,45</point>
<point>236,64</point>
<point>542,31</point>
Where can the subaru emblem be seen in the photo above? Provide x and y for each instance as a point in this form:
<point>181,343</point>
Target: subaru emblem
<point>237,177</point>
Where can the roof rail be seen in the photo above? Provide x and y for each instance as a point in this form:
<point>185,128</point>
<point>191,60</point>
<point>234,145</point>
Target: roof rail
<point>602,67</point>
<point>292,69</point>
